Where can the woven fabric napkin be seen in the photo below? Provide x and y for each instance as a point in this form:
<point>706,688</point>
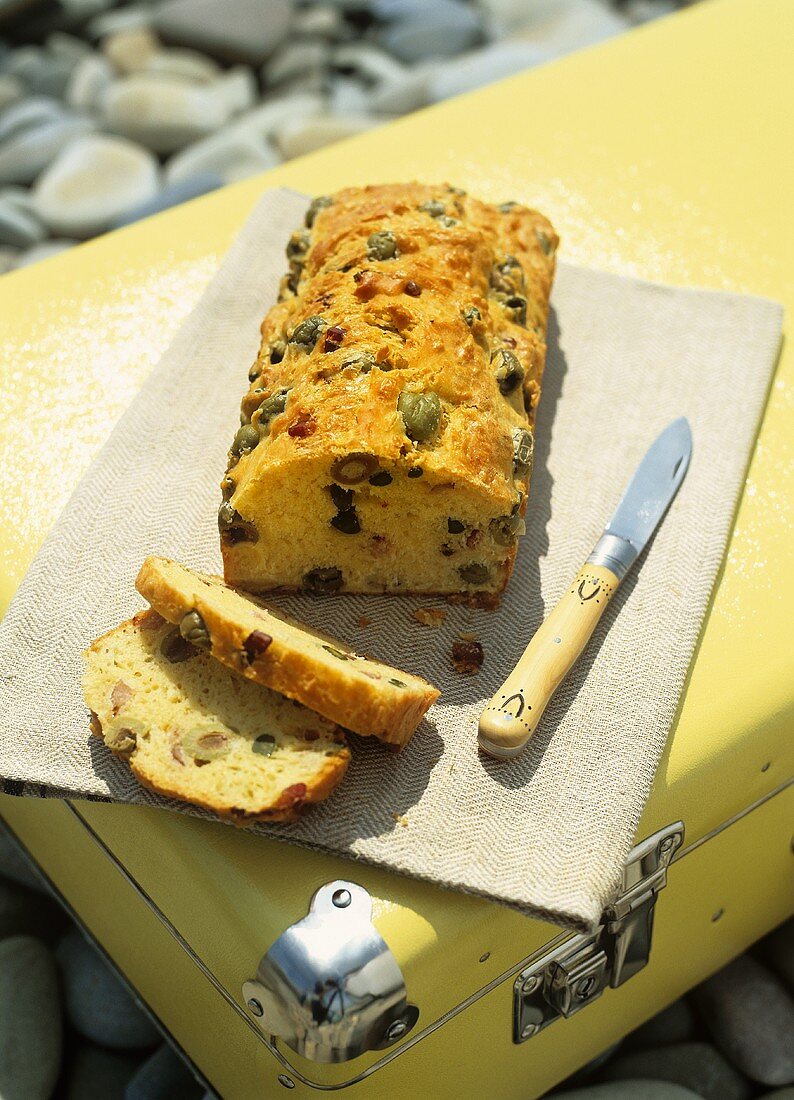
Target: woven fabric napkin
<point>548,832</point>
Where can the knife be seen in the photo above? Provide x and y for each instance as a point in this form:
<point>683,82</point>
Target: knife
<point>511,717</point>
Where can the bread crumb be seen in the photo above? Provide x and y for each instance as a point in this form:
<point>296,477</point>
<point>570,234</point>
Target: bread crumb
<point>468,637</point>
<point>401,819</point>
<point>364,621</point>
<point>467,656</point>
<point>429,616</point>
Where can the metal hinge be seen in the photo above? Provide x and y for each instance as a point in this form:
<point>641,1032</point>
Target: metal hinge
<point>579,970</point>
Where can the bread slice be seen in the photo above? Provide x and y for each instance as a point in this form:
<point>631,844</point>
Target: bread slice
<point>263,644</point>
<point>193,730</point>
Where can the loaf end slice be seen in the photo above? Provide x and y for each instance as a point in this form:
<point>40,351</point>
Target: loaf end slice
<point>193,730</point>
<point>263,644</point>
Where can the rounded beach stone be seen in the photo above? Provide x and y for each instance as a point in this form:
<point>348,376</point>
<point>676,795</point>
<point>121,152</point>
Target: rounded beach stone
<point>473,70</point>
<point>300,136</point>
<point>674,1024</point>
<point>27,154</point>
<point>23,910</point>
<point>164,113</point>
<point>97,1004</point>
<point>232,31</point>
<point>417,31</point>
<point>184,64</point>
<point>88,83</point>
<point>173,195</point>
<point>28,113</point>
<point>163,1076</point>
<point>696,1066</point>
<point>229,155</point>
<point>19,228</point>
<point>30,1020</point>
<point>44,251</point>
<point>629,1090</point>
<point>129,51</point>
<point>93,183</point>
<point>96,1074</point>
<point>750,1015</point>
<point>11,90</point>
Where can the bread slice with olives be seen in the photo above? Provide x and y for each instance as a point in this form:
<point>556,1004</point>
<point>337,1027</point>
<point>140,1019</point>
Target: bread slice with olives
<point>193,730</point>
<point>263,644</point>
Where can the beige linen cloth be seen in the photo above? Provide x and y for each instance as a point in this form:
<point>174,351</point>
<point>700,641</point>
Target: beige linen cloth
<point>548,832</point>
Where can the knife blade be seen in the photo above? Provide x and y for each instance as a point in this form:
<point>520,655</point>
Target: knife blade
<point>511,716</point>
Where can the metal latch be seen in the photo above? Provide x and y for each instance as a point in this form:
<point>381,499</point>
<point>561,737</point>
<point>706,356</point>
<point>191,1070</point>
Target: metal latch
<point>567,979</point>
<point>329,986</point>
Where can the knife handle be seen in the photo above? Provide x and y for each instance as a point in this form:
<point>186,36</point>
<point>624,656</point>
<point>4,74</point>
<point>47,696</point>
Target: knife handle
<point>512,715</point>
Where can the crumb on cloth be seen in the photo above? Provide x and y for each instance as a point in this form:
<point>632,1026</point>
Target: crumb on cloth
<point>467,656</point>
<point>429,616</point>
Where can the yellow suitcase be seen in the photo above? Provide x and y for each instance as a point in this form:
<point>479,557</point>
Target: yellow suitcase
<point>471,999</point>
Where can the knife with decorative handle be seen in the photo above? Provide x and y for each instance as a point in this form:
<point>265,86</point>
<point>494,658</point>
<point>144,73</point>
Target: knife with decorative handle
<point>511,717</point>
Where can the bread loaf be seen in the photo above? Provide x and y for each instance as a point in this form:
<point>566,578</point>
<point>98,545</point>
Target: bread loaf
<point>265,645</point>
<point>386,438</point>
<point>193,730</point>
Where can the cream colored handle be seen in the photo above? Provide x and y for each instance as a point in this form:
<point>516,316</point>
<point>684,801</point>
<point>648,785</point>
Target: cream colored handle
<point>512,715</point>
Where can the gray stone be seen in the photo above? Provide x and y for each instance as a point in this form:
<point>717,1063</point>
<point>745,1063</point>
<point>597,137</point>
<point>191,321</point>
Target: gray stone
<point>473,70</point>
<point>778,950</point>
<point>30,1020</point>
<point>93,183</point>
<point>296,58</point>
<point>565,25</point>
<point>629,1090</point>
<point>53,78</point>
<point>347,97</point>
<point>301,136</point>
<point>11,90</point>
<point>96,1074</point>
<point>164,113</point>
<point>184,64</point>
<point>15,865</point>
<point>163,1076</point>
<point>25,155</point>
<point>421,31</point>
<point>237,89</point>
<point>97,1005</point>
<point>323,20</point>
<point>88,83</point>
<point>265,119</point>
<point>8,259</point>
<point>26,63</point>
<point>70,46</point>
<point>236,30</point>
<point>178,193</point>
<point>19,228</point>
<point>674,1024</point>
<point>28,113</point>
<point>23,910</point>
<point>44,251</point>
<point>229,156</point>
<point>391,88</point>
<point>696,1066</point>
<point>750,1015</point>
<point>130,17</point>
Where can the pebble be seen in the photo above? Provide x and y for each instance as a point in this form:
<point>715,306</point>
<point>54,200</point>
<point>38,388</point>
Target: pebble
<point>300,136</point>
<point>25,155</point>
<point>31,111</point>
<point>348,97</point>
<point>96,1074</point>
<point>129,51</point>
<point>391,87</point>
<point>53,77</point>
<point>11,90</point>
<point>268,117</point>
<point>295,59</point>
<point>163,1076</point>
<point>18,227</point>
<point>25,910</point>
<point>571,25</point>
<point>503,16</point>
<point>30,1023</point>
<point>238,89</point>
<point>421,31</point>
<point>629,1090</point>
<point>130,17</point>
<point>674,1024</point>
<point>14,864</point>
<point>184,64</point>
<point>322,20</point>
<point>93,183</point>
<point>750,1015</point>
<point>60,44</point>
<point>97,1004</point>
<point>183,191</point>
<point>44,251</point>
<point>696,1066</point>
<point>473,70</point>
<point>229,156</point>
<point>235,30</point>
<point>162,112</point>
<point>26,63</point>
<point>778,949</point>
<point>88,83</point>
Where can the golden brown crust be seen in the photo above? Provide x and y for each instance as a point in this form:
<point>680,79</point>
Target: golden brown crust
<point>464,289</point>
<point>356,694</point>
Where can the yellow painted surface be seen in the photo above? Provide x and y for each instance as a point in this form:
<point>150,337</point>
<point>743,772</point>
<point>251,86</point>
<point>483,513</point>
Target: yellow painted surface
<point>664,154</point>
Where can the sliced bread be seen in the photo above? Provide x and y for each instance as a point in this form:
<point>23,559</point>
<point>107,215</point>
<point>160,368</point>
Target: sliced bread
<point>263,644</point>
<point>193,730</point>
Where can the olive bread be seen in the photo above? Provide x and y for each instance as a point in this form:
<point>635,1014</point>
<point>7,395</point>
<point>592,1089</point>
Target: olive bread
<point>193,730</point>
<point>263,644</point>
<point>385,442</point>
